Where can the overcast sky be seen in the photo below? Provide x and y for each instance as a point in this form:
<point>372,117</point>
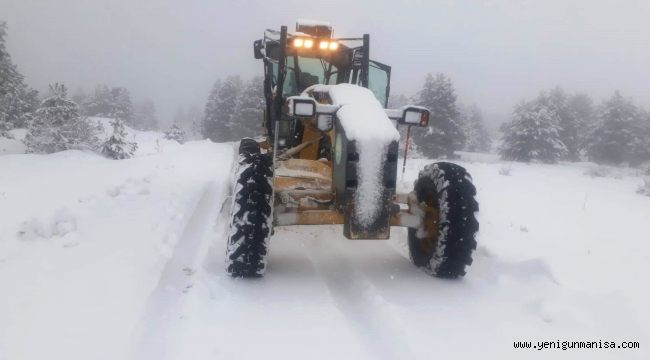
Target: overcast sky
<point>496,52</point>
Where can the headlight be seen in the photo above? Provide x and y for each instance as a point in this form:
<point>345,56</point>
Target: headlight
<point>324,45</point>
<point>325,122</point>
<point>334,45</point>
<point>309,43</point>
<point>298,42</point>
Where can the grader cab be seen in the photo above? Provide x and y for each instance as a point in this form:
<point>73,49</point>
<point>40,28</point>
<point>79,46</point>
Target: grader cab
<point>330,157</point>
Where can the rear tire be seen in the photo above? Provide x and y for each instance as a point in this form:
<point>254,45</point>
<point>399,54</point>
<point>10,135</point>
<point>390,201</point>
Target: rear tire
<point>447,187</point>
<point>251,213</point>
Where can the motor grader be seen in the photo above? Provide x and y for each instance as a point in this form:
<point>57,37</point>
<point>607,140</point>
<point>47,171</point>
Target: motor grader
<point>329,156</point>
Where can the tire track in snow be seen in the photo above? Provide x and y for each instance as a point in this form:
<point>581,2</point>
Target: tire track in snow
<point>154,335</point>
<point>358,300</point>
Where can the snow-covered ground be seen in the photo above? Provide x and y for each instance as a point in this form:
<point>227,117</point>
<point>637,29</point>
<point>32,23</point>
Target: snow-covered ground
<point>103,259</point>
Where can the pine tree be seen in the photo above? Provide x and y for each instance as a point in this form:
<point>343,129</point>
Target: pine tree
<point>144,114</point>
<point>175,133</point>
<point>445,133</point>
<point>618,135</point>
<point>219,120</point>
<point>180,117</point>
<point>110,103</point>
<point>5,126</point>
<point>532,135</point>
<point>248,116</point>
<point>194,117</point>
<point>211,126</point>
<point>641,145</point>
<point>582,110</point>
<point>476,135</point>
<point>57,126</point>
<point>80,97</point>
<point>396,101</point>
<point>99,103</point>
<point>116,146</point>
<point>557,101</point>
<point>17,101</point>
<point>122,105</point>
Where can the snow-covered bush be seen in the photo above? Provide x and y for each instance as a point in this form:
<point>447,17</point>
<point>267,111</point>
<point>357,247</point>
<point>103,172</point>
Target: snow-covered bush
<point>57,126</point>
<point>533,135</point>
<point>598,171</point>
<point>505,170</point>
<point>175,133</point>
<point>645,188</point>
<point>116,146</point>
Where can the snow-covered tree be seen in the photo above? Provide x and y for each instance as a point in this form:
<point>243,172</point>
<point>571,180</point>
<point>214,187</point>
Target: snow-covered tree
<point>444,134</point>
<point>532,135</point>
<point>476,135</point>
<point>5,126</point>
<point>79,97</point>
<point>220,109</point>
<point>180,117</point>
<point>17,101</point>
<point>144,113</point>
<point>582,110</point>
<point>619,134</point>
<point>194,118</point>
<point>641,146</point>
<point>557,101</point>
<point>117,146</point>
<point>110,103</point>
<point>122,105</point>
<point>57,126</point>
<point>213,126</point>
<point>99,103</point>
<point>176,133</point>
<point>396,101</point>
<point>249,112</point>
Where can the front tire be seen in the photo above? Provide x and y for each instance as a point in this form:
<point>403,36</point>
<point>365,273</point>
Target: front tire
<point>444,244</point>
<point>251,213</point>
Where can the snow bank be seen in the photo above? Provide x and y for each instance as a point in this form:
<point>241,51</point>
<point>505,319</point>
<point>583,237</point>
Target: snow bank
<point>364,120</point>
<point>561,256</point>
<point>15,144</point>
<point>83,240</point>
<point>149,142</point>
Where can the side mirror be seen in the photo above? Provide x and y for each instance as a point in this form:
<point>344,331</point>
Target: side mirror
<point>414,115</point>
<point>301,106</point>
<point>257,49</point>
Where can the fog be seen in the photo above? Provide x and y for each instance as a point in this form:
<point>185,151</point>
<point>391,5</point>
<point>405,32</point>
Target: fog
<point>496,52</point>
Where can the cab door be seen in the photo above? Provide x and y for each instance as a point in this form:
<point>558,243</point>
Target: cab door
<point>379,81</point>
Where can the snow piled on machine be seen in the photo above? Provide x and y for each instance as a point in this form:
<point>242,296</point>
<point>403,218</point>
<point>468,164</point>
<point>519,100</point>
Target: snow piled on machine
<point>364,120</point>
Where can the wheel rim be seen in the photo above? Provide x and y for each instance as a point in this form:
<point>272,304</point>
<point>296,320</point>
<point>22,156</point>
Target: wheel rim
<point>430,224</point>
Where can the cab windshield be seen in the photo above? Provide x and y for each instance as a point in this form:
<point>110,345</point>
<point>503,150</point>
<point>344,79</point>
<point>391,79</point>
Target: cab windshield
<point>303,72</point>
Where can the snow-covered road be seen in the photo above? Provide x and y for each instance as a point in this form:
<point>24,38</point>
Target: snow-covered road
<point>124,260</point>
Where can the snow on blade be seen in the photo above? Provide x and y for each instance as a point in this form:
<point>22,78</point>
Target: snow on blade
<point>364,121</point>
